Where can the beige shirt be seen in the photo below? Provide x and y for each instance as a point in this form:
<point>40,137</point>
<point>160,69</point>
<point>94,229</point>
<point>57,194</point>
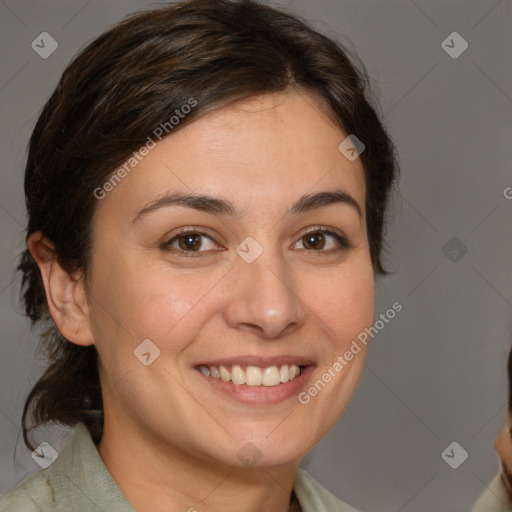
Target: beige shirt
<point>494,499</point>
<point>77,480</point>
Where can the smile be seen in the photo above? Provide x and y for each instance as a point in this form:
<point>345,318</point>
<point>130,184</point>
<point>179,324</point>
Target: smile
<point>243,375</point>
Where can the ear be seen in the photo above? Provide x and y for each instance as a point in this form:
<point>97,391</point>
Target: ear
<point>65,293</point>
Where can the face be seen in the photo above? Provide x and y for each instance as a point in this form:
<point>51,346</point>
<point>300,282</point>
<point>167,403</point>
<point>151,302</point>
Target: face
<point>264,277</point>
<point>503,446</point>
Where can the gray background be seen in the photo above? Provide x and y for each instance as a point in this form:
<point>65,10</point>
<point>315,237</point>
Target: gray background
<point>436,373</point>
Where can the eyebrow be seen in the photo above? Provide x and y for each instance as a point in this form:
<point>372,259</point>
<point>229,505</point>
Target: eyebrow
<point>218,206</point>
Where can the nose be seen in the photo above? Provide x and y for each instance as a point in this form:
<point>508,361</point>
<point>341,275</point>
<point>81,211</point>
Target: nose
<point>264,299</point>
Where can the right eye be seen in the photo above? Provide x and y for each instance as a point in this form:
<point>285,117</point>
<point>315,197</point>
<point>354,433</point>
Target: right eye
<point>188,241</point>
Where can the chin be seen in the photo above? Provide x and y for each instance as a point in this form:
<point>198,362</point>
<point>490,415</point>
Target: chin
<point>266,451</point>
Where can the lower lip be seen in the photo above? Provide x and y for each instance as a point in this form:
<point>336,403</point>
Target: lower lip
<point>264,395</point>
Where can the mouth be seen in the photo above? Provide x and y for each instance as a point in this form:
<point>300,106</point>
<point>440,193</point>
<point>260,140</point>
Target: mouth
<point>257,381</point>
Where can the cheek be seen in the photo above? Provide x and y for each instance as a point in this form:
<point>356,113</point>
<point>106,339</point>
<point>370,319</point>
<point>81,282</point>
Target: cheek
<point>147,300</point>
<point>502,443</point>
<point>345,302</point>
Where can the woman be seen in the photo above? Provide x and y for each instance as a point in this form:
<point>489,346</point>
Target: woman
<point>497,497</point>
<point>206,191</point>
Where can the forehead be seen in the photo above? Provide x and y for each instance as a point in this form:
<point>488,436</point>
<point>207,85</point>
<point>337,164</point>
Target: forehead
<point>274,146</point>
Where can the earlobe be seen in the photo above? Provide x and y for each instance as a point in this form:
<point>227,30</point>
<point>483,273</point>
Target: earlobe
<point>65,293</point>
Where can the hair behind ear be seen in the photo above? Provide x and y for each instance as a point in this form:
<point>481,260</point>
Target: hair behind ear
<point>69,389</point>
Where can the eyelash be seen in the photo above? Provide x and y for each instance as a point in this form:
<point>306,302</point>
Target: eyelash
<point>341,239</point>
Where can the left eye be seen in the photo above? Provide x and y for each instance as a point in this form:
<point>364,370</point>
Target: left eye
<point>319,240</point>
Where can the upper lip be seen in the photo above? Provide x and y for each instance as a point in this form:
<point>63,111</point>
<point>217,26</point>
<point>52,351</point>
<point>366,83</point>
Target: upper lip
<point>263,361</point>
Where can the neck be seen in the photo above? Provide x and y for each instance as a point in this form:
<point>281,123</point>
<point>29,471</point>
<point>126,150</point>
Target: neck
<point>157,478</point>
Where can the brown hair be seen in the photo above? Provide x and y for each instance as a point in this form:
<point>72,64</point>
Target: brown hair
<point>113,95</point>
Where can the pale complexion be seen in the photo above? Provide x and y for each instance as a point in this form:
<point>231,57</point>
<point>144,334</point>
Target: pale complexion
<point>171,438</point>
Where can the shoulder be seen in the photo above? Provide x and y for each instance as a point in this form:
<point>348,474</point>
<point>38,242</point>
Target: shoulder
<point>494,499</point>
<point>35,494</point>
<point>76,480</point>
<point>313,497</point>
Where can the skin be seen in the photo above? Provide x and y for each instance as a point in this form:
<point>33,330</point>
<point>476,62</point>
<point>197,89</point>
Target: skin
<point>503,446</point>
<point>261,154</point>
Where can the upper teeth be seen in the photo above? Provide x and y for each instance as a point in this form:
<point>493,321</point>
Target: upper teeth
<point>253,375</point>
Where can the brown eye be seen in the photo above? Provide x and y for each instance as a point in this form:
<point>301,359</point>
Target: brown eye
<point>314,241</point>
<point>323,240</point>
<point>189,242</point>
<point>192,242</point>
